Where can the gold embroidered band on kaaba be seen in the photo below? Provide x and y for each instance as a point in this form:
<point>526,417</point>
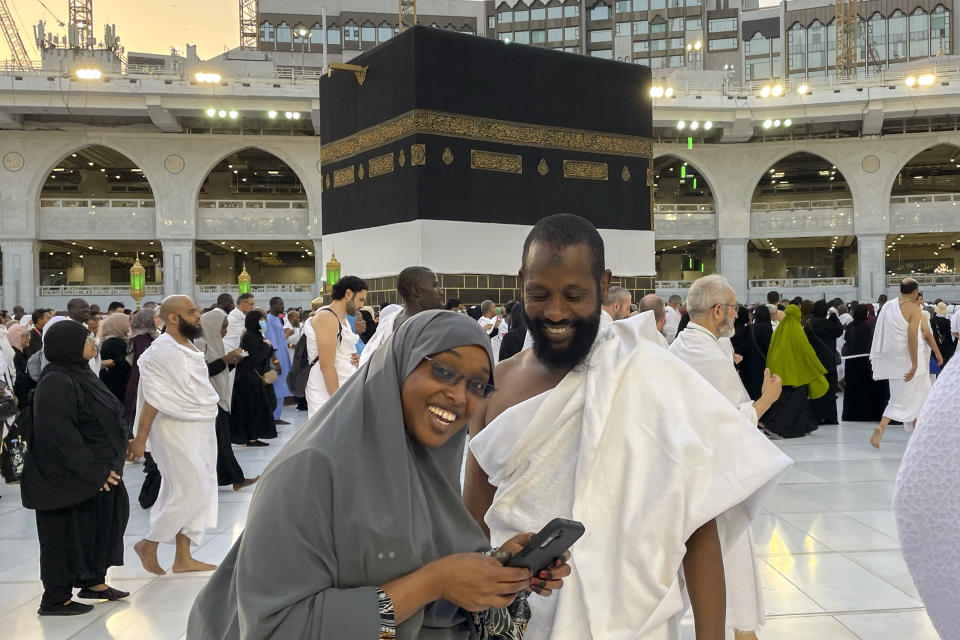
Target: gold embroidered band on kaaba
<point>421,121</point>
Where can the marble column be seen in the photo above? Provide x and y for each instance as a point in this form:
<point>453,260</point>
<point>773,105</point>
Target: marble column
<point>871,265</point>
<point>179,269</point>
<point>732,263</point>
<point>20,271</point>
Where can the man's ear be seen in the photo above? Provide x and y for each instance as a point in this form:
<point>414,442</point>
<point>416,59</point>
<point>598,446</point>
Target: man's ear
<point>605,282</point>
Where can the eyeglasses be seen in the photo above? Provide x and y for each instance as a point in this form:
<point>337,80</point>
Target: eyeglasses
<point>446,375</point>
<point>735,305</point>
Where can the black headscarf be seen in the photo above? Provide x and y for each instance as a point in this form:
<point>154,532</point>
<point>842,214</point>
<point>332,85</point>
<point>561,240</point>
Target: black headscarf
<point>367,334</point>
<point>76,445</point>
<point>761,315</point>
<point>252,337</point>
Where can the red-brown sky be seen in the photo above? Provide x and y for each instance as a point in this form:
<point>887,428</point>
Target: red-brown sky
<point>143,25</point>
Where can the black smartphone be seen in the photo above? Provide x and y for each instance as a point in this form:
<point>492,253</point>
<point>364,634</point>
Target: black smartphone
<point>548,545</point>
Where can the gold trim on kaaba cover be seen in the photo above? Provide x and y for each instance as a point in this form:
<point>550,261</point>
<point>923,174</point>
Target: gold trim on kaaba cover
<point>422,121</point>
<point>342,176</point>
<point>493,161</point>
<point>380,165</point>
<point>584,170</point>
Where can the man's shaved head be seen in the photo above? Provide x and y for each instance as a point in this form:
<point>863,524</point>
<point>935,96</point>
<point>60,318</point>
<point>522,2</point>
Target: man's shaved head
<point>175,304</point>
<point>652,302</point>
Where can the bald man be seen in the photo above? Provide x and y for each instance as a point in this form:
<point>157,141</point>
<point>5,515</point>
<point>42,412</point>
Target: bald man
<point>176,421</point>
<point>653,302</point>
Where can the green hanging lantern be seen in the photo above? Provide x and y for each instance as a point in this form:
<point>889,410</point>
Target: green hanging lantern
<point>333,271</point>
<point>243,281</point>
<point>138,281</point>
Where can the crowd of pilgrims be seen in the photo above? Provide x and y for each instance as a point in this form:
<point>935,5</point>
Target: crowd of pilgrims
<point>76,379</point>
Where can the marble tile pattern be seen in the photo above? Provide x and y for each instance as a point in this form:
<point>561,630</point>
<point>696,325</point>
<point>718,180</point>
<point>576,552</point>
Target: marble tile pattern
<point>826,546</point>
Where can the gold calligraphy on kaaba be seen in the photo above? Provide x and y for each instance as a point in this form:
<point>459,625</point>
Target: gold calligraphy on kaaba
<point>418,155</point>
<point>493,161</point>
<point>420,121</point>
<point>343,176</point>
<point>447,156</point>
<point>584,170</point>
<point>380,165</point>
<point>625,174</point>
<point>543,168</point>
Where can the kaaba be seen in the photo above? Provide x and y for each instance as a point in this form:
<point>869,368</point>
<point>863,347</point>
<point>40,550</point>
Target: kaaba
<point>442,149</point>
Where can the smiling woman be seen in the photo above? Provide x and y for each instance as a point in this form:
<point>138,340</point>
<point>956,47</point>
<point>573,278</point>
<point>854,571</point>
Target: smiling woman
<point>376,541</point>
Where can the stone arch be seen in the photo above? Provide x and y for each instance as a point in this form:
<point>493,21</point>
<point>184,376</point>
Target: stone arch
<point>696,164</point>
<point>280,154</point>
<point>60,153</point>
<point>909,153</point>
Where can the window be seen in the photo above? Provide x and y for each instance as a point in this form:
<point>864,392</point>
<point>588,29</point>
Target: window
<point>600,12</point>
<point>368,34</point>
<point>538,36</point>
<point>676,43</point>
<point>540,13</point>
<point>676,25</point>
<point>758,69</point>
<point>658,63</point>
<point>641,27</point>
<point>877,41</point>
<point>897,28</point>
<point>505,17</point>
<point>816,45</point>
<point>658,27</point>
<point>316,34</point>
<point>506,36</point>
<point>694,3</point>
<point>694,24</point>
<point>658,45</point>
<point>555,13</point>
<point>606,54</point>
<point>623,29</point>
<point>757,45</point>
<point>521,15</point>
<point>333,35</point>
<point>641,47</point>
<point>640,5</point>
<point>600,35</point>
<point>284,32</point>
<point>491,23</point>
<point>722,24</point>
<point>351,33</point>
<point>555,35</point>
<point>658,4</point>
<point>722,44</point>
<point>940,30</point>
<point>571,33</point>
<point>919,34</point>
<point>521,37</point>
<point>623,6</point>
<point>267,32</point>
<point>571,10</point>
<point>797,48</point>
<point>675,61</point>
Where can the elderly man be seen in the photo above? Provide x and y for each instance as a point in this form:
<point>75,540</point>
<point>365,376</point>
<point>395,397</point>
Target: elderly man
<point>420,290</point>
<point>580,430</point>
<point>712,305</point>
<point>617,306</point>
<point>176,417</point>
<point>672,324</point>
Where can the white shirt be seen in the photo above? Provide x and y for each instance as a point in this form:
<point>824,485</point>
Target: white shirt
<point>235,320</point>
<point>955,322</point>
<point>672,323</point>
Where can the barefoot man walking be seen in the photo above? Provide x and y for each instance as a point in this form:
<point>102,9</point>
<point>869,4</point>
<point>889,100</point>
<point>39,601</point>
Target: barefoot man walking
<point>176,415</point>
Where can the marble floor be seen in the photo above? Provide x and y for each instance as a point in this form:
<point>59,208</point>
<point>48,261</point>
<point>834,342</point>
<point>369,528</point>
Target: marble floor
<point>826,544</point>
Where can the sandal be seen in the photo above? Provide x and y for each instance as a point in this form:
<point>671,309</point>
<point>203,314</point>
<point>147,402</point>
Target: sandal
<point>109,593</point>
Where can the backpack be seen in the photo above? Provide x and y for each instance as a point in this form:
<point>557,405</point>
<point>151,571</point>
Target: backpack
<point>300,366</point>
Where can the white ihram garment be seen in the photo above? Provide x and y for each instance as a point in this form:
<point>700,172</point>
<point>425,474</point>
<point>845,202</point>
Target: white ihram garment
<point>697,346</point>
<point>182,440</point>
<point>643,463</point>
<point>235,328</point>
<point>926,506</point>
<point>316,390</point>
<point>890,358</point>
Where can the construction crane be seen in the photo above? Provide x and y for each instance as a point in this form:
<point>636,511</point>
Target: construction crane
<point>846,25</point>
<point>249,24</point>
<point>80,24</point>
<point>12,34</point>
<point>407,14</point>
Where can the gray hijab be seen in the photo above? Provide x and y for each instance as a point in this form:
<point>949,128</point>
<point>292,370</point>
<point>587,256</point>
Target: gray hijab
<point>349,504</point>
<point>212,346</point>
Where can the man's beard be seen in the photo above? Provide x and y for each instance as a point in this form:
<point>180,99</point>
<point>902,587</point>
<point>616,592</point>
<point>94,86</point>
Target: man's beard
<point>728,330</point>
<point>189,331</point>
<point>351,308</point>
<point>584,334</point>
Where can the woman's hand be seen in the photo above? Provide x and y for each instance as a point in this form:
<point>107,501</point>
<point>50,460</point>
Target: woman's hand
<point>548,580</point>
<point>136,448</point>
<point>355,359</point>
<point>475,582</point>
<point>112,479</point>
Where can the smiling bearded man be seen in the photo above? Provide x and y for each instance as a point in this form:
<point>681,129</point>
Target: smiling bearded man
<point>615,432</point>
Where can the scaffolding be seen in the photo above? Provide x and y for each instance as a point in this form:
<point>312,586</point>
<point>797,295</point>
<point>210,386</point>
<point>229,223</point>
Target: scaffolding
<point>249,25</point>
<point>846,25</point>
<point>12,34</point>
<point>408,14</point>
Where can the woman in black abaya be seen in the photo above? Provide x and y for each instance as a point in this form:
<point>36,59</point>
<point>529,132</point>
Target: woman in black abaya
<point>864,398</point>
<point>251,409</point>
<point>822,331</point>
<point>756,343</point>
<point>72,475</point>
